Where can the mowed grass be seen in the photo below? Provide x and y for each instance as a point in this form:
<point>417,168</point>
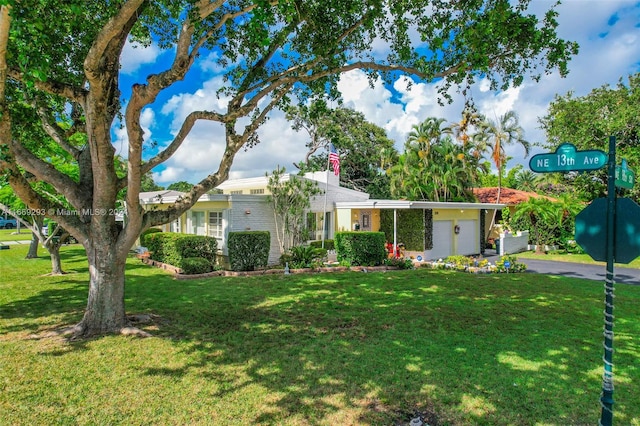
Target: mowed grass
<point>575,258</point>
<point>319,349</point>
<point>13,235</point>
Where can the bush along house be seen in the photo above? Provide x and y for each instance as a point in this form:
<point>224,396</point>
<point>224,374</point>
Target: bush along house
<point>426,230</point>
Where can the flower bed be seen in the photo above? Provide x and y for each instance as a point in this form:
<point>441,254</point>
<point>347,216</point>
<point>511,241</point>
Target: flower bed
<point>506,264</point>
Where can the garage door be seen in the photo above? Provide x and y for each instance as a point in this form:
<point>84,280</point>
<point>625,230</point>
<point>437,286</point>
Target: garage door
<point>442,239</point>
<point>468,239</point>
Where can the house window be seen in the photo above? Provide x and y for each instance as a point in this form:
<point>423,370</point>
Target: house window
<point>236,192</point>
<point>256,191</point>
<point>215,224</point>
<point>197,223</point>
<point>312,226</point>
<point>175,226</point>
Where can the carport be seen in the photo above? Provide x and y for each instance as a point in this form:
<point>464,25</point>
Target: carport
<point>457,227</point>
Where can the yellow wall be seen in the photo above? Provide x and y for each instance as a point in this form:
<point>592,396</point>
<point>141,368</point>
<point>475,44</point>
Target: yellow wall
<point>211,205</point>
<point>454,214</point>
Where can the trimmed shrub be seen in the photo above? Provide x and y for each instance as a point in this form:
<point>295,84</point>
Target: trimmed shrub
<point>328,244</point>
<point>196,265</point>
<point>143,236</point>
<point>414,228</point>
<point>249,250</point>
<point>197,246</point>
<point>172,248</point>
<point>360,248</point>
<point>162,246</point>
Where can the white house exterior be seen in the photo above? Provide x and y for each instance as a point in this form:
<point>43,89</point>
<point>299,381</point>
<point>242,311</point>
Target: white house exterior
<point>243,206</point>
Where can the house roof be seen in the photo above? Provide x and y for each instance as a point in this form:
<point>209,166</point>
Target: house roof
<point>508,196</point>
<point>324,180</point>
<point>403,204</point>
<point>160,195</point>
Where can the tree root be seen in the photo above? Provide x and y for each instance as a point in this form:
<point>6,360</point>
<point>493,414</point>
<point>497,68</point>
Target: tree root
<point>81,332</point>
<point>134,331</point>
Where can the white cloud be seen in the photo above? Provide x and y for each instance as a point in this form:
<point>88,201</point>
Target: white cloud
<point>121,140</point>
<point>609,41</point>
<point>179,106</point>
<point>134,55</point>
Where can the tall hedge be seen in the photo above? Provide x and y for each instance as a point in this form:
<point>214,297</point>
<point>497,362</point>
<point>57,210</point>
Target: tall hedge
<point>171,247</point>
<point>412,231</point>
<point>248,250</point>
<point>360,248</point>
<point>162,246</point>
<point>143,236</point>
<point>197,246</point>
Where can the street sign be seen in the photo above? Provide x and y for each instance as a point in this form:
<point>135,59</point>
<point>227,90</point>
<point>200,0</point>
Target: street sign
<point>566,158</point>
<point>625,178</point>
<point>591,230</point>
<point>627,245</point>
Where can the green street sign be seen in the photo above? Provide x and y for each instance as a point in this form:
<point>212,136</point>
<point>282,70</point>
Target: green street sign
<point>566,159</point>
<point>591,230</point>
<point>627,245</point>
<point>625,178</point>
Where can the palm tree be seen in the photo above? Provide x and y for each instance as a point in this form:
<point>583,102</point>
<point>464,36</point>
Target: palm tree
<point>499,134</point>
<point>426,134</point>
<point>540,212</point>
<point>526,180</point>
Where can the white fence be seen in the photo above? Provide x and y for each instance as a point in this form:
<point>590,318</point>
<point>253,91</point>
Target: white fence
<point>513,243</point>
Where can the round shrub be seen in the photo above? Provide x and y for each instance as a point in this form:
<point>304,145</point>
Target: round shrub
<point>143,236</point>
<point>196,265</point>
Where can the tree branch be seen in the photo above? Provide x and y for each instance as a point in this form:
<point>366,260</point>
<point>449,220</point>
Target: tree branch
<point>111,30</point>
<point>56,133</point>
<point>73,93</point>
<point>46,172</point>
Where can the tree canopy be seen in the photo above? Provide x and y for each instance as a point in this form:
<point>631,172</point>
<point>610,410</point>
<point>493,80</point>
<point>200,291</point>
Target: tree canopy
<point>364,148</point>
<point>67,72</point>
<point>588,121</point>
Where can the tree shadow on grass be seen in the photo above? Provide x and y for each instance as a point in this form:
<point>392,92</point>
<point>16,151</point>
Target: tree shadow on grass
<point>331,349</point>
<point>49,308</point>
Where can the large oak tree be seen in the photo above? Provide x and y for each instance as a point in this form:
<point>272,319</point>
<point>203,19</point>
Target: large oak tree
<point>67,69</point>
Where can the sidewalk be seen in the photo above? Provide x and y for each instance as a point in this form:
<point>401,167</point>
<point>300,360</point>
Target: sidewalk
<point>8,243</point>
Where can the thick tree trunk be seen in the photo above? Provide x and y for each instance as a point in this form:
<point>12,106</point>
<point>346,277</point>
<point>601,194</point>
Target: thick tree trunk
<point>105,311</point>
<point>53,247</point>
<point>56,263</point>
<point>33,247</point>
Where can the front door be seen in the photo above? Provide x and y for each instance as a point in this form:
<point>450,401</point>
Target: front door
<point>365,220</point>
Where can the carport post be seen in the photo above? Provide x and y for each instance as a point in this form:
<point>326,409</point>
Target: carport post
<point>395,233</point>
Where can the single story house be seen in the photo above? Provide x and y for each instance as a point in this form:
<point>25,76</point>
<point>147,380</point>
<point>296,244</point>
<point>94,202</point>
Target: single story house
<point>449,228</point>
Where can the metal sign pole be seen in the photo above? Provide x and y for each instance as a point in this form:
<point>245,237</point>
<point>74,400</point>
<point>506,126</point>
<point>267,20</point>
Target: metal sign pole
<point>606,399</point>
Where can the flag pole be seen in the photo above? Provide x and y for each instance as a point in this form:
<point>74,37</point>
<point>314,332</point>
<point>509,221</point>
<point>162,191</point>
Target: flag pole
<point>324,210</point>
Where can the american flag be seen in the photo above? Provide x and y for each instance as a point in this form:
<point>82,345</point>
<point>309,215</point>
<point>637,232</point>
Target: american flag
<point>334,159</point>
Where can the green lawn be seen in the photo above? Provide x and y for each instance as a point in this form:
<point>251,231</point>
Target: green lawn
<point>318,349</point>
<point>12,235</point>
<point>577,258</point>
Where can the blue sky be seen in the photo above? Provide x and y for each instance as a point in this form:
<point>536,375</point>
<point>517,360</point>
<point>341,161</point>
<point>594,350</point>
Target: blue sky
<point>608,32</point>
